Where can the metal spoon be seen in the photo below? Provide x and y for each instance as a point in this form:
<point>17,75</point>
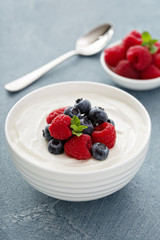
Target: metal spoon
<point>89,44</point>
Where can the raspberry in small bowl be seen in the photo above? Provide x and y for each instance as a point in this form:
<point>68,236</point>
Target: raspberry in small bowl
<point>133,62</point>
<point>63,173</point>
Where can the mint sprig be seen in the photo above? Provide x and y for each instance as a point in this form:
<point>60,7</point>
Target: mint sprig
<point>149,42</point>
<point>76,126</point>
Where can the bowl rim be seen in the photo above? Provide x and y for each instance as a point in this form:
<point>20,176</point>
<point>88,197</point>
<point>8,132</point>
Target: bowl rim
<point>124,79</point>
<point>113,167</point>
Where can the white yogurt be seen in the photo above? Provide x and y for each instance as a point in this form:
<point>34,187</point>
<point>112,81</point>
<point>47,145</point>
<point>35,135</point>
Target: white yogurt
<point>28,124</point>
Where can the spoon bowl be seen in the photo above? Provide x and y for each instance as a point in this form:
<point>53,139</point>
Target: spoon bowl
<point>95,40</point>
<point>87,45</point>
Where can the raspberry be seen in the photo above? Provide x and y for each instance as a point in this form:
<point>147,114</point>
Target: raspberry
<point>79,147</point>
<point>156,60</point>
<point>139,56</point>
<point>114,54</point>
<point>125,69</point>
<point>150,72</point>
<point>54,114</point>
<point>136,34</point>
<point>157,44</point>
<point>104,133</point>
<point>133,38</point>
<point>59,128</point>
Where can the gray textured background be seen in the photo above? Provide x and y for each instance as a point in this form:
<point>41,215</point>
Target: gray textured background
<point>33,33</point>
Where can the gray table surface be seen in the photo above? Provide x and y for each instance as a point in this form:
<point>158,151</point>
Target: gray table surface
<point>33,33</point>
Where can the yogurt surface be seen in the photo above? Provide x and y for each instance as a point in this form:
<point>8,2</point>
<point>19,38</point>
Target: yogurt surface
<point>26,133</point>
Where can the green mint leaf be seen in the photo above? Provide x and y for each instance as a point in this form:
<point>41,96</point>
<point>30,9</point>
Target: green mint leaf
<point>145,44</point>
<point>75,121</point>
<point>146,37</point>
<point>153,41</point>
<point>78,134</point>
<point>153,49</point>
<point>81,128</point>
<point>149,42</point>
<point>76,126</point>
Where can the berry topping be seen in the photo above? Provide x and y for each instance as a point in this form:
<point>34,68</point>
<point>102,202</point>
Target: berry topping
<point>56,146</point>
<point>114,54</point>
<point>125,69</point>
<point>72,111</point>
<point>97,115</point>
<point>83,105</point>
<point>150,72</point>
<point>139,57</point>
<point>60,127</point>
<point>104,133</point>
<point>86,122</point>
<point>46,133</point>
<point>77,128</point>
<point>99,151</point>
<point>79,147</point>
<point>54,114</point>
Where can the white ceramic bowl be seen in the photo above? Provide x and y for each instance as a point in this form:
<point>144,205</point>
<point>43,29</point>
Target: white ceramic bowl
<point>74,185</point>
<point>127,82</point>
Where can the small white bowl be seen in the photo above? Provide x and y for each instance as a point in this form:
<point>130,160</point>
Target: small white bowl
<point>134,84</point>
<point>74,184</point>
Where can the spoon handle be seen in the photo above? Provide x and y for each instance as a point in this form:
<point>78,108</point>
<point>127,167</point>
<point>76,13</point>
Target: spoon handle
<point>26,80</point>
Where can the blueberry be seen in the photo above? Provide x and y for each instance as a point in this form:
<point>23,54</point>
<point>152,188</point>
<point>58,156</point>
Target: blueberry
<point>56,146</point>
<point>99,151</point>
<point>111,121</point>
<point>71,111</point>
<point>46,133</point>
<point>83,105</point>
<point>86,122</point>
<point>97,115</point>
